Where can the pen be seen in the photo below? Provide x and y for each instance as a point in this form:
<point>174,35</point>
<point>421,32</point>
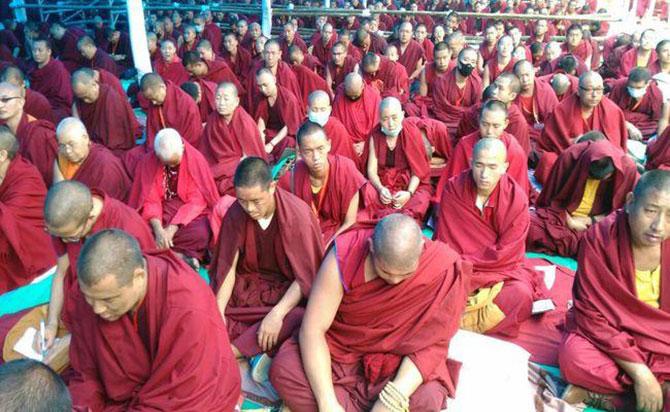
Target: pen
<point>43,343</point>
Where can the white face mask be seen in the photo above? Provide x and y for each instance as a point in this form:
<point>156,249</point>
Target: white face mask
<point>636,93</point>
<point>320,118</point>
<point>392,133</point>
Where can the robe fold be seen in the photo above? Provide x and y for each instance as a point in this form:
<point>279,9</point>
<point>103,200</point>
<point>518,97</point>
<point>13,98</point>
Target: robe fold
<point>309,81</point>
<point>219,72</point>
<point>564,190</point>
<point>212,32</point>
<point>38,106</point>
<point>337,74</point>
<point>285,46</point>
<point>38,145</point>
<point>583,51</point>
<point>390,80</point>
<point>629,61</point>
<point>658,152</point>
<point>323,52</point>
<point>451,102</point>
<point>378,324</point>
<point>537,108</point>
<point>24,245</point>
<point>609,315</point>
<point>110,120</point>
<point>102,60</point>
<point>644,113</point>
<point>207,103</point>
<point>517,127</point>
<point>175,354</point>
<point>495,70</point>
<point>53,81</point>
<point>330,207</point>
<point>179,111</point>
<point>225,144</point>
<point>341,142</point>
<point>67,45</point>
<point>358,116</point>
<point>287,111</point>
<point>411,56</point>
<point>437,134</point>
<point>296,250</point>
<point>240,64</point>
<point>285,78</point>
<point>173,71</point>
<point>419,105</point>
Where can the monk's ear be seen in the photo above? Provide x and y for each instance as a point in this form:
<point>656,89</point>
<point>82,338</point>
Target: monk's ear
<point>630,199</point>
<point>506,123</point>
<point>139,274</point>
<point>273,187</point>
<point>505,167</point>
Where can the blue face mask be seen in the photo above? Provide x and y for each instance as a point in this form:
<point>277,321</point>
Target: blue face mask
<point>636,93</point>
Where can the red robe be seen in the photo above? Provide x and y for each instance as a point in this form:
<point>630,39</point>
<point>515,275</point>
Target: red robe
<point>309,81</point>
<point>185,47</point>
<point>495,70</point>
<point>53,81</point>
<point>488,54</point>
<point>564,191</point>
<point>395,169</point>
<point>658,152</point>
<point>450,102</point>
<point>212,32</point>
<point>321,52</point>
<point>390,79</point>
<point>629,62</point>
<point>537,108</point>
<point>462,157</point>
<point>207,103</point>
<point>297,41</point>
<point>103,171</point>
<point>420,106</point>
<point>331,204</point>
<point>285,78</point>
<point>610,319</point>
<point>110,120</point>
<point>224,144</point>
<point>287,111</point>
<point>38,106</point>
<point>179,111</point>
<point>24,245</point>
<point>240,65</point>
<point>377,324</point>
<point>290,249</point>
<point>112,81</point>
<point>643,114</point>
<point>583,51</point>
<point>173,72</point>
<point>428,49</point>
<point>68,52</point>
<point>341,142</point>
<point>517,126</point>
<point>175,354</point>
<point>220,72</point>
<point>436,133</point>
<point>411,56</point>
<point>360,116</point>
<point>102,60</point>
<point>38,145</point>
<point>337,74</point>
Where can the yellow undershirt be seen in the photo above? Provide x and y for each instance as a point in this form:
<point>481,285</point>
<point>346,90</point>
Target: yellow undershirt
<point>588,198</point>
<point>648,285</point>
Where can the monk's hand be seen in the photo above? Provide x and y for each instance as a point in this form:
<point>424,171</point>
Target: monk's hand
<point>633,132</point>
<point>379,407</point>
<point>268,332</point>
<point>359,148</point>
<point>385,195</point>
<point>169,233</point>
<point>578,223</point>
<point>161,238</point>
<point>50,332</point>
<point>401,198</point>
<point>648,392</point>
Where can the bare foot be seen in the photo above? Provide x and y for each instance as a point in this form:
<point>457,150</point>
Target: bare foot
<point>574,394</point>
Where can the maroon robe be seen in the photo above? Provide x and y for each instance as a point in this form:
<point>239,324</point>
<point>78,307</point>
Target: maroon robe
<point>219,72</point>
<point>564,190</point>
<point>341,142</point>
<point>286,111</point>
<point>420,106</point>
<point>450,102</point>
<point>207,103</point>
<point>102,60</point>
<point>24,245</point>
<point>537,108</point>
<point>323,52</point>
<point>488,54</point>
<point>175,354</point>
<point>38,106</point>
<point>53,81</point>
<point>269,261</point>
<point>583,51</point>
<point>173,71</point>
<point>309,81</point>
<point>437,134</point>
<point>297,41</point>
<point>285,78</point>
<point>644,113</point>
<point>517,126</point>
<point>112,81</point>
<point>495,70</point>
<point>428,49</point>
<point>337,74</point>
<point>110,120</point>
<point>240,65</point>
<point>629,61</point>
<point>185,47</point>
<point>377,324</point>
<point>212,32</point>
<point>658,152</point>
<point>331,204</point>
<point>411,56</point>
<point>103,171</point>
<point>179,111</point>
<point>68,52</point>
<point>225,144</point>
<point>390,79</point>
<point>38,145</point>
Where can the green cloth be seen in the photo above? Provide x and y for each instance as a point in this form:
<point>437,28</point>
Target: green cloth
<point>556,260</point>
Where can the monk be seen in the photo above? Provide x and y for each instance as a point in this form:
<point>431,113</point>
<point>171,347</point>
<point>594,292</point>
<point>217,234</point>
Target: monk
<point>278,115</point>
<point>230,135</point>
<point>170,107</point>
<point>356,105</point>
<point>308,80</point>
<point>642,103</point>
<point>339,66</point>
<point>216,71</point>
<point>237,57</point>
<point>536,99</point>
<point>616,351</point>
<point>494,209</point>
<point>330,184</point>
<point>584,111</point>
<point>398,168</point>
<point>643,56</point>
<point>588,181</point>
<point>72,213</point>
<point>322,45</point>
<point>436,139</point>
<point>265,261</point>
<point>377,328</point>
<point>289,38</point>
<point>412,55</point>
<point>95,57</point>
<point>456,42</point>
<point>89,163</point>
<point>169,65</point>
<point>36,104</point>
<point>421,36</point>
<point>25,246</point>
<point>175,192</point>
<point>577,45</point>
<point>154,301</point>
<point>457,90</point>
<point>191,39</point>
<point>503,62</point>
<point>51,78</point>
<point>108,117</point>
<point>388,77</point>
<point>439,66</point>
<point>493,121</point>
<point>31,385</point>
<point>66,44</point>
<point>319,111</point>
<point>202,92</point>
<point>563,85</point>
<point>37,138</point>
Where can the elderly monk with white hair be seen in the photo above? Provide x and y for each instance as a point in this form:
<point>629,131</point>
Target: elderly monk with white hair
<point>174,191</point>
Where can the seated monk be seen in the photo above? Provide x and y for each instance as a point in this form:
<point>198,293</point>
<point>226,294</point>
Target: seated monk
<point>24,244</point>
<point>642,103</point>
<point>203,93</point>
<point>383,309</point>
<point>536,99</point>
<point>502,63</point>
<point>329,184</point>
<point>175,192</point>
<point>493,121</point>
<point>95,57</point>
<point>411,54</point>
<point>322,44</point>
<point>483,215</point>
<point>457,90</point>
<point>65,42</point>
<point>589,180</point>
<point>266,258</point>
<point>398,168</point>
<point>582,112</point>
<point>617,350</point>
<point>388,77</point>
<point>152,301</point>
<point>319,111</point>
<point>108,116</point>
<point>190,40</point>
<point>339,66</point>
<point>563,85</point>
<point>278,115</point>
<point>51,78</point>
<point>36,104</point>
<point>308,79</point>
<point>169,65</point>
<point>37,138</point>
<point>230,135</point>
<point>577,45</point>
<point>89,163</point>
<point>439,66</point>
<point>643,56</point>
<point>289,38</point>
<point>216,71</point>
<point>435,135</point>
<point>237,57</point>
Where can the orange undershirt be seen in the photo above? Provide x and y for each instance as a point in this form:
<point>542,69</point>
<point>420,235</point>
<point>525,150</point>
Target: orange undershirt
<point>67,168</point>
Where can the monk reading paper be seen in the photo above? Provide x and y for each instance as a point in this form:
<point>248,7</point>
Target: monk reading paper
<point>148,335</point>
<point>589,181</point>
<point>265,261</point>
<point>378,324</point>
<point>616,354</point>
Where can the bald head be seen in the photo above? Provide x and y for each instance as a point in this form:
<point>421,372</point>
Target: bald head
<point>653,180</point>
<point>85,87</point>
<point>68,204</point>
<point>11,90</point>
<point>8,142</point>
<point>591,89</point>
<point>13,75</point>
<point>109,252</point>
<point>397,244</point>
<point>318,97</point>
<point>560,83</point>
<point>489,165</point>
<point>353,85</point>
<point>267,82</point>
<point>493,146</point>
<point>169,147</point>
<point>151,81</point>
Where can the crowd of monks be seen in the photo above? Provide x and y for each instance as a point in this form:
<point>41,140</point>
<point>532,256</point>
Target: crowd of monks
<point>354,198</point>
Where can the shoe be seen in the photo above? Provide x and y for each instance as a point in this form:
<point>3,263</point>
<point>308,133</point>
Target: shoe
<point>260,368</point>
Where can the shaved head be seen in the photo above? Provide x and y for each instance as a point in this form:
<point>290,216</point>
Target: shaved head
<point>653,180</point>
<point>109,252</point>
<point>151,81</point>
<point>13,75</point>
<point>6,87</point>
<point>228,87</point>
<point>397,244</point>
<point>318,96</point>
<point>560,83</point>
<point>67,203</point>
<point>491,145</point>
<point>251,172</point>
<point>353,85</point>
<point>169,146</point>
<point>8,142</point>
<point>390,103</point>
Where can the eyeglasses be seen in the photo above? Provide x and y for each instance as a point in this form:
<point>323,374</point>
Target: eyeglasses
<point>598,90</point>
<point>4,100</point>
